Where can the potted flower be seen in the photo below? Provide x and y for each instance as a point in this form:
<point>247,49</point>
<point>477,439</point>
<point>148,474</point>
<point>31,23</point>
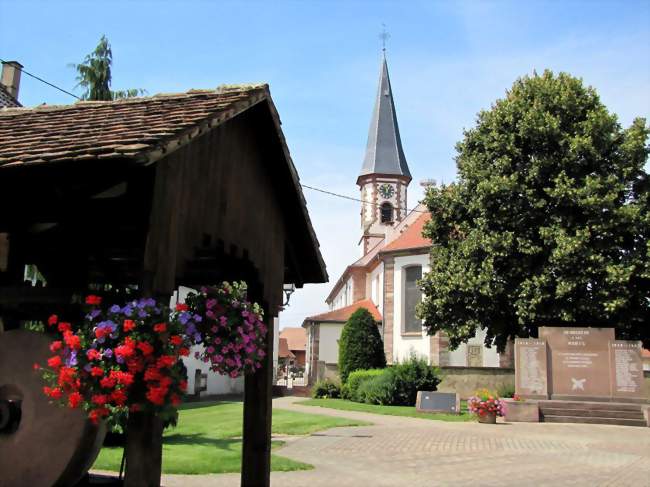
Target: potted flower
<point>486,405</point>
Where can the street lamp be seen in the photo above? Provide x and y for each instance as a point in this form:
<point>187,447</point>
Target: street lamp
<point>288,291</point>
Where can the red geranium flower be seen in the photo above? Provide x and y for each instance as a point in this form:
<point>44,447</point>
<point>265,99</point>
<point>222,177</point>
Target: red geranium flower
<point>118,396</point>
<point>107,382</point>
<point>99,399</point>
<point>128,325</point>
<point>160,327</point>
<point>93,354</point>
<point>74,399</point>
<point>56,345</point>
<point>93,300</point>
<point>166,361</point>
<point>72,340</point>
<point>182,307</point>
<point>54,362</point>
<point>146,348</point>
<point>184,352</point>
<point>176,340</point>
<point>97,372</point>
<point>51,321</point>
<point>63,327</point>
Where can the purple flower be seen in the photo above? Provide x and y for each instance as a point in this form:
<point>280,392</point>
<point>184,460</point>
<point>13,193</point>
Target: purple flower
<point>127,310</point>
<point>197,338</point>
<point>108,353</point>
<point>184,318</point>
<point>198,318</point>
<point>115,309</point>
<point>71,359</point>
<point>120,359</point>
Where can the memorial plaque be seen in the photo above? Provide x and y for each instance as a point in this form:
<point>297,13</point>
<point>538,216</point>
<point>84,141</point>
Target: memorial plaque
<point>530,368</point>
<point>626,368</point>
<point>579,360</point>
<point>437,402</point>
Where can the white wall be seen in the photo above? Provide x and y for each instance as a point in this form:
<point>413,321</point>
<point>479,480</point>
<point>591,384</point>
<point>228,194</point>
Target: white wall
<point>375,283</point>
<point>216,383</point>
<point>458,357</point>
<point>328,344</point>
<point>404,346</point>
<point>343,297</point>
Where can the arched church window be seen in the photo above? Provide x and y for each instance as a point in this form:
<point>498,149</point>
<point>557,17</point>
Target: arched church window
<point>412,296</point>
<point>386,213</point>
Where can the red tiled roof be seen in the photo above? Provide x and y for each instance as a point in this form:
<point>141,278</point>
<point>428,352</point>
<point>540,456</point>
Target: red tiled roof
<point>296,338</point>
<point>283,349</point>
<point>142,129</point>
<point>343,314</point>
<point>412,237</point>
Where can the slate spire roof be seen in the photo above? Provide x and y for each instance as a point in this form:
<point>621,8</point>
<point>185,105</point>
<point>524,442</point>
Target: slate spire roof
<point>384,153</point>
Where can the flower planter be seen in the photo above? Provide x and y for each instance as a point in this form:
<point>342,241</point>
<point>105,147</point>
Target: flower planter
<point>487,418</point>
<point>522,411</point>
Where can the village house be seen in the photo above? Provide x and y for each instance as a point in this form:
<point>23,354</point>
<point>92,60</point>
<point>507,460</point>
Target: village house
<point>395,256</point>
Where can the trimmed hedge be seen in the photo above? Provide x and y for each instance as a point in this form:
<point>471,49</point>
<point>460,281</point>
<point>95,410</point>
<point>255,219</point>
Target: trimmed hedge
<point>360,345</point>
<point>350,389</point>
<point>397,385</point>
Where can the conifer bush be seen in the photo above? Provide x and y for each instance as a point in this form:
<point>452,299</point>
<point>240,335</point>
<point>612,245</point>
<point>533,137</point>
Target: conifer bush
<point>351,388</point>
<point>360,345</point>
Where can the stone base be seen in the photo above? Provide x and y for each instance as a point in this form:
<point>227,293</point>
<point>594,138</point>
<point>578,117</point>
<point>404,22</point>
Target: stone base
<point>521,411</point>
<point>629,400</point>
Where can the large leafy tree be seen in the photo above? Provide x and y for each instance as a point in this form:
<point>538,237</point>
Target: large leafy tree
<point>94,75</point>
<point>360,345</point>
<point>548,222</point>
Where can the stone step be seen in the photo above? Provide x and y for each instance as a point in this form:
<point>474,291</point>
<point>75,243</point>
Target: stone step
<point>593,413</point>
<point>589,406</point>
<point>591,420</point>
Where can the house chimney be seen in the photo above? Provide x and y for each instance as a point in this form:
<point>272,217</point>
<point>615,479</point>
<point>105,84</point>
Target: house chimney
<point>11,71</point>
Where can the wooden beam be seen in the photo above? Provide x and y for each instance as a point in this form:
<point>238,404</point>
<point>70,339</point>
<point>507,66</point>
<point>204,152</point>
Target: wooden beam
<point>256,449</point>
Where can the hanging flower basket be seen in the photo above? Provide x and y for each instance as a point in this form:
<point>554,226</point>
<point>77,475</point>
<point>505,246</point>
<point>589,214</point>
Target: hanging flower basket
<point>229,328</point>
<point>121,359</point>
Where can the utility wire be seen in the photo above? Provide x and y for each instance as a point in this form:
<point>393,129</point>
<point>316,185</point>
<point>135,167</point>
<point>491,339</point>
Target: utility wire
<point>43,81</point>
<point>353,199</point>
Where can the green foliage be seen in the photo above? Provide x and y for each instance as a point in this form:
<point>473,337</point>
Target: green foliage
<point>350,389</point>
<point>360,345</point>
<point>379,389</point>
<point>395,385</point>
<point>548,223</point>
<point>506,390</point>
<point>412,376</point>
<point>94,75</point>
<point>324,389</point>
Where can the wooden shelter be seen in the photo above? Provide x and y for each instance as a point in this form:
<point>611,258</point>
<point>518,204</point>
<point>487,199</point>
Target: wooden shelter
<point>153,193</point>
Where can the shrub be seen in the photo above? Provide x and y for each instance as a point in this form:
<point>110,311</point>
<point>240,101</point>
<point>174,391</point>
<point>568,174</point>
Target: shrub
<point>379,389</point>
<point>350,389</point>
<point>325,389</point>
<point>506,390</point>
<point>412,376</point>
<point>360,345</point>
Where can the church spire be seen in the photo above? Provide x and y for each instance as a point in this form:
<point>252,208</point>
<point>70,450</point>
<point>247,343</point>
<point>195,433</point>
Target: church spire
<point>384,153</point>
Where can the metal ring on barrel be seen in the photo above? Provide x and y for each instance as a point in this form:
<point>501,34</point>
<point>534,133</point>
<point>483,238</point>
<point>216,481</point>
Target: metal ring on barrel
<point>42,444</point>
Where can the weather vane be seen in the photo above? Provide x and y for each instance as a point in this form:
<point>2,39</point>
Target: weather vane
<point>384,36</point>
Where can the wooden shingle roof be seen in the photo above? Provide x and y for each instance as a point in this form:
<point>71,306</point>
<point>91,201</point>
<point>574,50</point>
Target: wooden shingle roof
<point>143,129</point>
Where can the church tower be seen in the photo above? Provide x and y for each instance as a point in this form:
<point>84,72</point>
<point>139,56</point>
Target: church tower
<point>385,175</point>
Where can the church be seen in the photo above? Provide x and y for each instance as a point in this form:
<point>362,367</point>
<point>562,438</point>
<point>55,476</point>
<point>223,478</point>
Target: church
<point>395,256</point>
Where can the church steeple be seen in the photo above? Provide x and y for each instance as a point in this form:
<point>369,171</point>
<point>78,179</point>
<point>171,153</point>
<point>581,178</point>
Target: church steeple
<point>385,175</point>
<point>384,153</point>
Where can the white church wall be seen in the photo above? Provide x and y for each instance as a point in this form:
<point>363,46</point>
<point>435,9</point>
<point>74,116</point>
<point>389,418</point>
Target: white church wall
<point>328,343</point>
<point>217,384</point>
<point>458,357</point>
<point>343,297</point>
<point>375,285</point>
<point>406,345</point>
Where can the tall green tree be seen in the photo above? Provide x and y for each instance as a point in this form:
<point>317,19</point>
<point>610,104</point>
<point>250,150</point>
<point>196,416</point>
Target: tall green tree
<point>548,222</point>
<point>94,75</point>
<point>360,345</point>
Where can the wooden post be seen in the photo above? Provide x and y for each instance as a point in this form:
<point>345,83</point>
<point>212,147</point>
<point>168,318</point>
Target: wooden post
<point>143,450</point>
<point>256,449</point>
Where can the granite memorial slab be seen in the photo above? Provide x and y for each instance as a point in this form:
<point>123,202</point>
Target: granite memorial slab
<point>530,368</point>
<point>626,371</point>
<point>437,402</point>
<point>579,361</point>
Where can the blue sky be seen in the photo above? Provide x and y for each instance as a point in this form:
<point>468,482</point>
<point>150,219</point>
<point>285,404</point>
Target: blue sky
<point>447,61</point>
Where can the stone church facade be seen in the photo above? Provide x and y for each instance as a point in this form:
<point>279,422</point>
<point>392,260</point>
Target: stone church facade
<point>395,256</point>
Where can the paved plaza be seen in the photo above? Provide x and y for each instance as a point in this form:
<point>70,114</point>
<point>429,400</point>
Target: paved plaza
<point>398,451</point>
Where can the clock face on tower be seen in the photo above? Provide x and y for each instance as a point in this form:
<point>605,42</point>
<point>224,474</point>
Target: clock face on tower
<point>386,190</point>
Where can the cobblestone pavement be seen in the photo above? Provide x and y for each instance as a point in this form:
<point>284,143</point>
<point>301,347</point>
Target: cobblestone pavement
<point>414,452</point>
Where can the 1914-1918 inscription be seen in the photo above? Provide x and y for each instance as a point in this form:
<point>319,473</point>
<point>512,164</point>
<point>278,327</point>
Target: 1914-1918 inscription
<point>530,367</point>
<point>627,368</point>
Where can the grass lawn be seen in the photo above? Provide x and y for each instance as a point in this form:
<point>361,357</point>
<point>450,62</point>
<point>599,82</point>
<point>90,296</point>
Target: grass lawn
<point>409,411</point>
<point>206,439</point>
